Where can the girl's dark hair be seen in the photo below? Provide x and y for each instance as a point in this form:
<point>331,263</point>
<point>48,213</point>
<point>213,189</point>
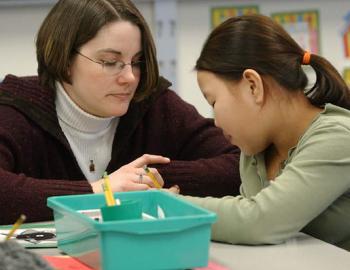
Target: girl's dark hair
<point>72,23</point>
<point>257,42</point>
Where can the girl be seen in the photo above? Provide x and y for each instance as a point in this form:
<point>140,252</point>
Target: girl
<point>295,143</point>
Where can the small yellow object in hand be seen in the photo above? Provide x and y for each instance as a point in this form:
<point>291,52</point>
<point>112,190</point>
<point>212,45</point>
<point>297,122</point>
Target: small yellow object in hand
<point>108,190</point>
<point>151,175</point>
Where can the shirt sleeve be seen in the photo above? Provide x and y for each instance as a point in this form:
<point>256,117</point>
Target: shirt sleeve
<point>26,192</point>
<point>314,178</point>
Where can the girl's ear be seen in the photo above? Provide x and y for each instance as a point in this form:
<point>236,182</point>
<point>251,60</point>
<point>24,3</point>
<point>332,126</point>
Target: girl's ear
<point>255,83</point>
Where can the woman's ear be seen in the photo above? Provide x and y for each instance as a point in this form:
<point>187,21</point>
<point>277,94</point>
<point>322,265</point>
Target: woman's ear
<point>255,83</point>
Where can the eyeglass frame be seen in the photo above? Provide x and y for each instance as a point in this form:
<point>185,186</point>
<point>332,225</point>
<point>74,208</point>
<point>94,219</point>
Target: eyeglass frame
<point>121,65</point>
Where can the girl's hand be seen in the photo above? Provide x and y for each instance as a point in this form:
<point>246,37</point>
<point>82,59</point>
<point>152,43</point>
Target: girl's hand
<point>174,189</point>
<point>132,176</point>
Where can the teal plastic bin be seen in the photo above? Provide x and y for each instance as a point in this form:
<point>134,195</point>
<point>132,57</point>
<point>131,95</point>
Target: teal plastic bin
<point>179,241</point>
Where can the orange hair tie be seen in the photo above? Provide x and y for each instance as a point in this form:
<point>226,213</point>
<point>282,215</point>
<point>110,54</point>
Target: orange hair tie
<point>306,58</point>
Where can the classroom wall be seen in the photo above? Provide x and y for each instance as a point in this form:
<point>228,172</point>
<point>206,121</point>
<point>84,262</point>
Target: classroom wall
<point>18,27</point>
<point>194,26</point>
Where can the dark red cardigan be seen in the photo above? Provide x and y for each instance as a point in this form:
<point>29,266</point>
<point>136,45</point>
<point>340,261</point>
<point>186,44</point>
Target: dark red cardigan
<point>36,160</point>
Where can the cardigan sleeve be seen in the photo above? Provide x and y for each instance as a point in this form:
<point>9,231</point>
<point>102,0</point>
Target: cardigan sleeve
<point>315,178</point>
<point>24,188</point>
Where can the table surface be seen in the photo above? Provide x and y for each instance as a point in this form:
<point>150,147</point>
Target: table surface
<point>299,253</point>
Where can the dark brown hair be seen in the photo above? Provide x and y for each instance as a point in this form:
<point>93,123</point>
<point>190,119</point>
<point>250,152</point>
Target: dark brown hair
<point>72,23</point>
<point>257,42</point>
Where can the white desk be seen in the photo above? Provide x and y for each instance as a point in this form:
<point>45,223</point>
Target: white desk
<point>300,253</point>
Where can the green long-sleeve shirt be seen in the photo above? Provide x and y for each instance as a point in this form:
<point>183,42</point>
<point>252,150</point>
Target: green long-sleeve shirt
<point>311,192</point>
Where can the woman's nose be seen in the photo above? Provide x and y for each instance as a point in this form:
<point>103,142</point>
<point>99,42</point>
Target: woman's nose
<point>127,74</point>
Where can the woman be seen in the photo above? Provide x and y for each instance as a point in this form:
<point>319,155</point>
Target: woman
<point>295,143</point>
<point>98,104</point>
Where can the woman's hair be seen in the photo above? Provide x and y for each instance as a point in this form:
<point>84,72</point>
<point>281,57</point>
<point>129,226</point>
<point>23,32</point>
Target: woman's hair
<point>72,23</point>
<point>257,42</point>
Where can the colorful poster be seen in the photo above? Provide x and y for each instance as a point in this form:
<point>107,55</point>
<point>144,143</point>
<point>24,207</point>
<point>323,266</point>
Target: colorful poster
<point>346,75</point>
<point>303,26</point>
<point>346,36</point>
<point>220,14</point>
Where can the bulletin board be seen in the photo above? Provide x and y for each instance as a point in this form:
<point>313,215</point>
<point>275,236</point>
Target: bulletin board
<point>303,26</point>
<point>346,36</point>
<point>220,14</point>
<point>346,75</point>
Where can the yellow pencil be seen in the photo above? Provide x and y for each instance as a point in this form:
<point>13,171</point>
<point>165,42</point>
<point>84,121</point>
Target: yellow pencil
<point>15,226</point>
<point>108,190</point>
<point>151,175</point>
<point>105,191</point>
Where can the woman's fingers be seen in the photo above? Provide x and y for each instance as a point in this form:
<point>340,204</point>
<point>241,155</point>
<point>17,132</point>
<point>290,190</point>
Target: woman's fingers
<point>143,178</point>
<point>131,181</point>
<point>133,176</point>
<point>149,159</point>
<point>97,186</point>
<point>157,175</point>
<point>132,186</point>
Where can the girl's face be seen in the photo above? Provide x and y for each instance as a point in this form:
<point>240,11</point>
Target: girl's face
<point>98,88</point>
<point>235,110</point>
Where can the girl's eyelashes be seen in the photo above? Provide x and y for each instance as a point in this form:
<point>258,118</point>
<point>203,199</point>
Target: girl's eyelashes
<point>211,102</point>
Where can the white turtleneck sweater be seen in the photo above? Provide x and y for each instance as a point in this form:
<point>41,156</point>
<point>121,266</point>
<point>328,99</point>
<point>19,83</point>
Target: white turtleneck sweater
<point>90,137</point>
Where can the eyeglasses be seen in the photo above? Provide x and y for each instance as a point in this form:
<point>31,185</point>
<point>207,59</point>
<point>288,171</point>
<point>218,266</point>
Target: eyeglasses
<point>115,67</point>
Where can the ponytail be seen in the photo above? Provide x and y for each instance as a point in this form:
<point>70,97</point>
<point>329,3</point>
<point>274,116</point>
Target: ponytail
<point>270,50</point>
<point>329,86</point>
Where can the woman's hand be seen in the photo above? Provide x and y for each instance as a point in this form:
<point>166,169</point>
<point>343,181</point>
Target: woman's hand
<point>132,176</point>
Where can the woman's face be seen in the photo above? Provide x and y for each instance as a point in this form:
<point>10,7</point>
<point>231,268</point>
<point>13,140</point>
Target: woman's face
<point>99,89</point>
<point>235,110</point>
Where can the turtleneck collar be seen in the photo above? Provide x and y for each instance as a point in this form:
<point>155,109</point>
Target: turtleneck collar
<point>72,115</point>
